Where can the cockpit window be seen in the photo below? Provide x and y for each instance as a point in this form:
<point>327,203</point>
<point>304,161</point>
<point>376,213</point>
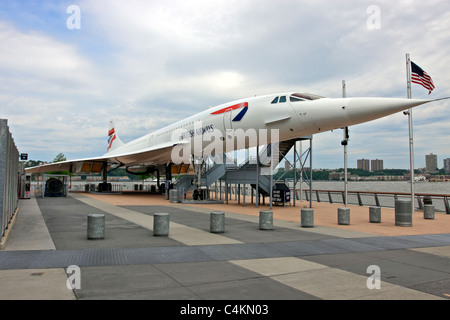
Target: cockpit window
<point>306,96</point>
<point>295,99</point>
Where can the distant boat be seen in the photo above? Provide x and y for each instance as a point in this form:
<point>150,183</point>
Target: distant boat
<point>420,179</point>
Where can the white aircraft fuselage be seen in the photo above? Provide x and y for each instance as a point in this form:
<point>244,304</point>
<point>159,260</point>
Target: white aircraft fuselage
<point>293,115</point>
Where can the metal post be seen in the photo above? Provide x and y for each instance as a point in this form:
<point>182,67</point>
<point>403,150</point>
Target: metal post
<point>295,169</point>
<point>226,192</point>
<point>301,171</point>
<point>310,172</point>
<point>345,142</point>
<point>411,140</point>
<point>257,177</point>
<point>239,193</point>
<point>271,171</point>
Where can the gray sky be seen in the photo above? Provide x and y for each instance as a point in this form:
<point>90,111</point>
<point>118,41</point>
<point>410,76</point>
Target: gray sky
<point>146,64</point>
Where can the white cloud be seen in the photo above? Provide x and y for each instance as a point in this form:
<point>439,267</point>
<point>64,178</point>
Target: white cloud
<point>45,83</point>
<point>34,57</point>
<point>149,63</point>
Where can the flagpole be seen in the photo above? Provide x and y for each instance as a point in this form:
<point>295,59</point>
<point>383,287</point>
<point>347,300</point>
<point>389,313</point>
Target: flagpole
<point>344,143</point>
<point>411,140</point>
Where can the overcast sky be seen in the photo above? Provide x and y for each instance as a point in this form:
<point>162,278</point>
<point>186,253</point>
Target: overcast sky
<point>147,64</point>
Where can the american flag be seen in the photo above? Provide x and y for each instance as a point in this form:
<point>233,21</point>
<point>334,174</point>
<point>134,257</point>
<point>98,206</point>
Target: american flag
<point>421,77</point>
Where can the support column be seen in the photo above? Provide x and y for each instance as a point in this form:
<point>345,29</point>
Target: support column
<point>257,177</point>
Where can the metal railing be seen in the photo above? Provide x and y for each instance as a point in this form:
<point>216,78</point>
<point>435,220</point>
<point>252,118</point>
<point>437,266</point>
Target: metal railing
<point>9,176</point>
<point>380,199</point>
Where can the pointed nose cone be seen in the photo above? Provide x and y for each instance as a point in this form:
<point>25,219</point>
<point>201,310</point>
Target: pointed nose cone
<point>367,109</point>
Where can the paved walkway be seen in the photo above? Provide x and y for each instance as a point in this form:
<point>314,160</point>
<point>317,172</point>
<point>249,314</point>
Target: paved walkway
<point>288,263</point>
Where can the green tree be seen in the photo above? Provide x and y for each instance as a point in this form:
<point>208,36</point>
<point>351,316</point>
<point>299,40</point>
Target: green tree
<point>60,157</point>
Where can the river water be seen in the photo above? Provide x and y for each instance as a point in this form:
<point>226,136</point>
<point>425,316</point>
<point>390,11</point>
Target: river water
<point>385,186</point>
<point>379,186</point>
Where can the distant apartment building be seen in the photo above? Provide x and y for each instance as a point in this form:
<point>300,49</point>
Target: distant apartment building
<point>287,165</point>
<point>447,165</point>
<point>431,163</point>
<point>376,165</point>
<point>363,164</point>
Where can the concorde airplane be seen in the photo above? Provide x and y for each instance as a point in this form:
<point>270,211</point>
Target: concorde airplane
<point>295,115</point>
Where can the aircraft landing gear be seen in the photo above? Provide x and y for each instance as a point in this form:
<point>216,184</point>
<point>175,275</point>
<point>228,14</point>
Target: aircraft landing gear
<point>199,167</point>
<point>199,194</point>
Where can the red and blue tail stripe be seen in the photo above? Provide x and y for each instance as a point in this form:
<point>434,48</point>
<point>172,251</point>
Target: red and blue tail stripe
<point>111,138</point>
<point>240,115</point>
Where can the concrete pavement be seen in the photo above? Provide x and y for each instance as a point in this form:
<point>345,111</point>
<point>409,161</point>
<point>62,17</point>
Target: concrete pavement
<point>244,263</point>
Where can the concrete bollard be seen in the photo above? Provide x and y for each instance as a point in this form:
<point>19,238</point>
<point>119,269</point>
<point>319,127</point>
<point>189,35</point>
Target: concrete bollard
<point>375,214</point>
<point>217,221</point>
<point>307,218</point>
<point>428,211</point>
<point>403,215</point>
<point>95,226</point>
<point>161,224</point>
<point>265,220</point>
<point>174,196</point>
<point>344,216</point>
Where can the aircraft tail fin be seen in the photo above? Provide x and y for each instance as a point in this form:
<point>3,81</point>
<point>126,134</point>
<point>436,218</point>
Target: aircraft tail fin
<point>113,139</point>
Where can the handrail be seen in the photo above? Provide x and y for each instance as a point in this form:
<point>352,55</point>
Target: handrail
<point>389,193</point>
<point>376,195</point>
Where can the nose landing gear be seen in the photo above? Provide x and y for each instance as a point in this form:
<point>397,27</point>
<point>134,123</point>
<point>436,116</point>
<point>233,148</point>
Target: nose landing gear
<point>200,194</point>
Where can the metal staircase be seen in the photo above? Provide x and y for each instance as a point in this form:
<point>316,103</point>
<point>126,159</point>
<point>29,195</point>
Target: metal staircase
<point>211,174</point>
<point>245,173</point>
